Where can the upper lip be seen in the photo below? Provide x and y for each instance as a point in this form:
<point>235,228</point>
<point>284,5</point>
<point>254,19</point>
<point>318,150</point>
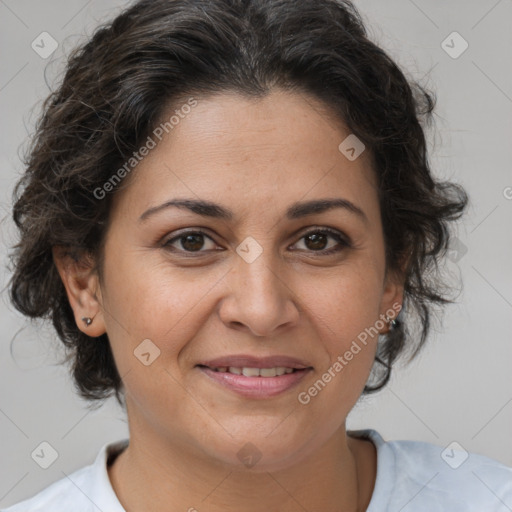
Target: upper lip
<point>246,361</point>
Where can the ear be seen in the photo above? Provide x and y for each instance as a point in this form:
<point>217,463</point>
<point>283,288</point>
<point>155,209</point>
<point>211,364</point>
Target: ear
<point>393,296</point>
<point>83,289</point>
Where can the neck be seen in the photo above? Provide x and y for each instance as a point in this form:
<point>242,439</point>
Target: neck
<point>153,474</point>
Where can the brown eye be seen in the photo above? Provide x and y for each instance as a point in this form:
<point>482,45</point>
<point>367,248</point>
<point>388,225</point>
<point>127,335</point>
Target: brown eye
<point>190,241</point>
<point>317,241</point>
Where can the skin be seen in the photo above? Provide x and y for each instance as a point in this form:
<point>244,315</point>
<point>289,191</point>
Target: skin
<point>255,157</point>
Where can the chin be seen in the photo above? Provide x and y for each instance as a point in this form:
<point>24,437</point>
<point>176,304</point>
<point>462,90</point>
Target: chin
<point>258,452</point>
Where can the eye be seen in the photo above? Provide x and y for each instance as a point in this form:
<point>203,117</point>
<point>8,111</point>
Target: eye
<point>316,241</point>
<point>190,241</point>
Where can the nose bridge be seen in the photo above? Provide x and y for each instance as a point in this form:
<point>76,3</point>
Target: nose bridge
<point>257,272</point>
<point>260,299</point>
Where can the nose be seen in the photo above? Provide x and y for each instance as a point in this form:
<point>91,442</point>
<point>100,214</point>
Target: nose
<point>261,299</point>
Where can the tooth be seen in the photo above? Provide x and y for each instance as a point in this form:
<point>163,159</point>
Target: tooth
<point>255,372</point>
<point>250,372</point>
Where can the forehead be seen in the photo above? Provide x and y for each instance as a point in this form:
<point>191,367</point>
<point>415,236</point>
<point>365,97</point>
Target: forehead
<point>252,152</point>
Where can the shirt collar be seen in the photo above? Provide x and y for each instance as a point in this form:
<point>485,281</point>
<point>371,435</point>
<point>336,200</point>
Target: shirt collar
<point>102,492</point>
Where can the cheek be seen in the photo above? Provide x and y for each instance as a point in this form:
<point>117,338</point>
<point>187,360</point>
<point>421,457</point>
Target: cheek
<point>156,302</point>
<point>346,302</point>
<point>344,310</point>
<point>343,319</point>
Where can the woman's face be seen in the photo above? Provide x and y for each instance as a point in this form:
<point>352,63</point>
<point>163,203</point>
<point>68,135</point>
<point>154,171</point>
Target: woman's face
<point>264,281</point>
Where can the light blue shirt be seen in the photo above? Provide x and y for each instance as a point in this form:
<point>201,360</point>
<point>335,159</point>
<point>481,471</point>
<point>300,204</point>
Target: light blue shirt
<point>411,477</point>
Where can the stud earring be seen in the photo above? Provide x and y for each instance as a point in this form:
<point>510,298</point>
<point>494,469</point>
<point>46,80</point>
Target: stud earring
<point>392,323</point>
<point>87,321</point>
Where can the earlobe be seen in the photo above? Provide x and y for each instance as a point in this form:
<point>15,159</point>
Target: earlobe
<point>392,300</point>
<point>83,290</point>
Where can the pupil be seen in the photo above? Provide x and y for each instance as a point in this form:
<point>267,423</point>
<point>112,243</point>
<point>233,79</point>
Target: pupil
<point>317,238</point>
<point>191,238</point>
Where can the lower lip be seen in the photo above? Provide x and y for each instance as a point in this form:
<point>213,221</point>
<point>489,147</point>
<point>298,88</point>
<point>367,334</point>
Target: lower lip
<point>256,387</point>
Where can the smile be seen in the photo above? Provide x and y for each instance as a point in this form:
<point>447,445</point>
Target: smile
<point>255,383</point>
<point>255,372</point>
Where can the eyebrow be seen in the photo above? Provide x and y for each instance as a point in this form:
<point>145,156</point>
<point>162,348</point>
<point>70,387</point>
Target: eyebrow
<point>295,211</point>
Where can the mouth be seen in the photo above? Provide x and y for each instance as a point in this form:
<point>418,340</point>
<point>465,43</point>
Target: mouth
<point>256,378</point>
<point>247,371</point>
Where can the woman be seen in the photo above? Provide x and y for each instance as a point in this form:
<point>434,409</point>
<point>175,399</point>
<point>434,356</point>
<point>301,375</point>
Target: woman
<point>229,215</point>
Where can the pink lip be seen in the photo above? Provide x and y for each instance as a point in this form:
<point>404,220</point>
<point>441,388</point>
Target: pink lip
<point>256,387</point>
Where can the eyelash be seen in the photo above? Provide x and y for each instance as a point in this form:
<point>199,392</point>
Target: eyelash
<point>325,252</point>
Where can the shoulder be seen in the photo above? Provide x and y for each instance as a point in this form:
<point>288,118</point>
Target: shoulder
<point>87,489</point>
<point>419,476</point>
<point>65,494</point>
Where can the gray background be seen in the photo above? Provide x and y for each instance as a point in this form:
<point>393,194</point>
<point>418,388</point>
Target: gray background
<point>459,389</point>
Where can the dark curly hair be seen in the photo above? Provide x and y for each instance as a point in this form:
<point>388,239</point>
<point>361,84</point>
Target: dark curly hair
<point>117,87</point>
